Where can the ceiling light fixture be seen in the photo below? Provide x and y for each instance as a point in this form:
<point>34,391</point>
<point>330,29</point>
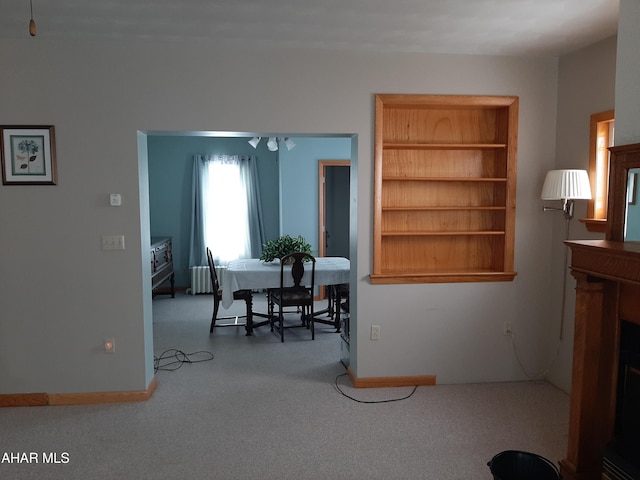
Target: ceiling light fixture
<point>272,143</point>
<point>289,143</point>
<point>32,23</point>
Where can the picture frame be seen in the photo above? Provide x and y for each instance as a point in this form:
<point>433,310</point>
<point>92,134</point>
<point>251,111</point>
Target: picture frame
<point>28,155</point>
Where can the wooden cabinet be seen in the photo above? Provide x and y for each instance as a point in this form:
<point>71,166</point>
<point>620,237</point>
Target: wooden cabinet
<point>162,265</point>
<point>445,179</point>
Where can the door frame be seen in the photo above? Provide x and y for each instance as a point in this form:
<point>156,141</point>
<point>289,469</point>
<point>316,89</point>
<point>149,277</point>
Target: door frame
<point>322,169</point>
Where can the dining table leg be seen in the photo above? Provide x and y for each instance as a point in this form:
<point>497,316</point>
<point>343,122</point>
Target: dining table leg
<point>338,307</point>
<point>333,308</point>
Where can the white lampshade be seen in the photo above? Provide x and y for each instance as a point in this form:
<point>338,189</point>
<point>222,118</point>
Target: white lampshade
<point>272,144</point>
<point>254,142</point>
<point>566,184</point>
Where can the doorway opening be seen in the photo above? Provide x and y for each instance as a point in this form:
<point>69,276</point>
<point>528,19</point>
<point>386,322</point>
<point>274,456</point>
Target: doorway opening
<point>333,210</point>
<point>287,163</point>
<point>333,207</point>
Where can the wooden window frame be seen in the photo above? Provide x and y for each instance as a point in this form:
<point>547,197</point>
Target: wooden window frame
<point>600,139</point>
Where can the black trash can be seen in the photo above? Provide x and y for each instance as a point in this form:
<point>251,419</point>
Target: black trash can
<point>515,465</point>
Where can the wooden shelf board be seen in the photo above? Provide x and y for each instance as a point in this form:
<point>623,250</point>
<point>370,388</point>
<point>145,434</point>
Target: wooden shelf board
<point>595,224</point>
<point>441,277</point>
<point>444,179</point>
<point>413,101</point>
<point>443,209</point>
<point>442,146</point>
<point>442,234</point>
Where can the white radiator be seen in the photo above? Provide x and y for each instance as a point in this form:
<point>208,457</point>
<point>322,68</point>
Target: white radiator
<point>201,280</point>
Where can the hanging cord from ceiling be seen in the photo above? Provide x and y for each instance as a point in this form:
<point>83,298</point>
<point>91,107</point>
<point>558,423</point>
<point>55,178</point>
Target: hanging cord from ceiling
<point>32,22</point>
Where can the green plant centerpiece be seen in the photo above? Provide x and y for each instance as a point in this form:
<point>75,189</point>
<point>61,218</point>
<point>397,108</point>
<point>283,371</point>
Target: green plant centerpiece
<point>284,245</point>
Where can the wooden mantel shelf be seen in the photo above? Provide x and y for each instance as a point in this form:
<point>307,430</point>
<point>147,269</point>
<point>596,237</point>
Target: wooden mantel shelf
<point>619,261</point>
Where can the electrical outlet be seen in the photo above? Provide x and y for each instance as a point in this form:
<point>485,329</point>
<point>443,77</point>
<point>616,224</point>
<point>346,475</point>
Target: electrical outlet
<point>109,345</point>
<point>506,328</point>
<point>375,332</point>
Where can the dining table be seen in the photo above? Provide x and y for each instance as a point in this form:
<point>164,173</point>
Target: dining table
<point>254,274</point>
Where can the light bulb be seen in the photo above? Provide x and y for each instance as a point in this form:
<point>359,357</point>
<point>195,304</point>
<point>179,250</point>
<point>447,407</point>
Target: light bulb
<point>272,144</point>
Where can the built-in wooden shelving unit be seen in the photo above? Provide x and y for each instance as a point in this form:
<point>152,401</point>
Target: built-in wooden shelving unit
<point>445,174</point>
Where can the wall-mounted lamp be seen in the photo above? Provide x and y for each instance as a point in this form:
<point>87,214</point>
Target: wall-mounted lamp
<point>566,185</point>
<point>272,143</point>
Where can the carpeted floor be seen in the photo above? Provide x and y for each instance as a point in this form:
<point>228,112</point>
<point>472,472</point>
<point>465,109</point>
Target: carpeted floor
<point>254,408</point>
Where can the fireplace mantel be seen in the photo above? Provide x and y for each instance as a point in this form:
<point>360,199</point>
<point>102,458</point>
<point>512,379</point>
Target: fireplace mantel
<point>607,291</point>
<point>618,261</point>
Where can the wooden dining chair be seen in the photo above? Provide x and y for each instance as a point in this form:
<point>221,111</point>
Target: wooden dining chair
<point>217,298</point>
<point>298,295</point>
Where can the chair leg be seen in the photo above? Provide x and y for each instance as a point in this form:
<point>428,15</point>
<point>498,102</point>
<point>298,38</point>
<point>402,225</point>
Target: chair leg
<point>330,301</point>
<point>248,326</point>
<point>270,316</point>
<point>281,323</point>
<point>216,305</point>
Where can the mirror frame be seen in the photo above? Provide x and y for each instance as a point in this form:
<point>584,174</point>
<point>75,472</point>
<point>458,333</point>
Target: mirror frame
<point>623,159</point>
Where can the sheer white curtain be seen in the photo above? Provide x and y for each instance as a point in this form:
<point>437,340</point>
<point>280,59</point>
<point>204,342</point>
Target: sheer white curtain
<point>226,215</point>
<point>226,223</point>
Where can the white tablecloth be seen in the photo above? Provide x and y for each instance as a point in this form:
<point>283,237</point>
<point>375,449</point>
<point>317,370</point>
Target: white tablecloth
<point>254,274</point>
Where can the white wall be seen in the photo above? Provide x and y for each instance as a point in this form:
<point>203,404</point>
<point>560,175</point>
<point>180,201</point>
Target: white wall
<point>60,295</point>
<point>586,85</point>
<point>628,72</point>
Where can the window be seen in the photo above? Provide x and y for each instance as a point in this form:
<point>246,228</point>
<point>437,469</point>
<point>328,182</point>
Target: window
<point>226,213</point>
<point>226,221</point>
<point>601,138</point>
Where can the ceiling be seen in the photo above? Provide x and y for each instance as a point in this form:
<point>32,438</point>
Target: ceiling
<point>479,27</point>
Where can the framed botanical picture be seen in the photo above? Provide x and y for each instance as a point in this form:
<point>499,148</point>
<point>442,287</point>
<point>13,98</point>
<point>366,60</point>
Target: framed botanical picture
<point>28,155</point>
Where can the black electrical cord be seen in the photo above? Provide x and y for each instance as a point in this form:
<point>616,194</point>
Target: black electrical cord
<point>371,401</point>
<point>172,359</point>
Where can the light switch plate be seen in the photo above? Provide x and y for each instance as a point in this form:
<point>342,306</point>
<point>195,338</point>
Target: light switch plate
<point>113,242</point>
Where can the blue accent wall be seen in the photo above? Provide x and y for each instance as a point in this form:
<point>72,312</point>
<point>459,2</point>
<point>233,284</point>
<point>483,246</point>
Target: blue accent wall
<point>288,185</point>
<point>170,191</point>
<point>299,183</point>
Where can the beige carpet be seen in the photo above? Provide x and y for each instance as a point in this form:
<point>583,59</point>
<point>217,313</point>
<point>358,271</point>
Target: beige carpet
<point>264,410</point>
